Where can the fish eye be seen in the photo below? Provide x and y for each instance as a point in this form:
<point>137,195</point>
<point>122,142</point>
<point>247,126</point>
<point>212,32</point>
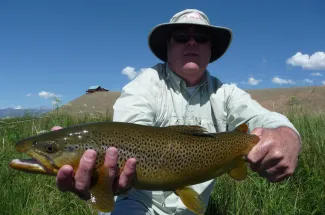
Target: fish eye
<point>50,147</point>
<point>34,143</point>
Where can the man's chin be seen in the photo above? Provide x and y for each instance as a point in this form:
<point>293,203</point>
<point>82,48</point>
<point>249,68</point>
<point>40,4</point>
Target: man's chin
<point>191,66</point>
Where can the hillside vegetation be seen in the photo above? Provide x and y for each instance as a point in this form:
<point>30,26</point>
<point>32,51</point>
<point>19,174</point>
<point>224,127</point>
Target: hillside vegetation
<point>279,99</point>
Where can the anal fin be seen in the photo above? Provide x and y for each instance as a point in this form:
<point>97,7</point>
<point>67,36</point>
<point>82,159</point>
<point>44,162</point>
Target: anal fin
<point>239,172</point>
<point>191,199</point>
<point>102,197</point>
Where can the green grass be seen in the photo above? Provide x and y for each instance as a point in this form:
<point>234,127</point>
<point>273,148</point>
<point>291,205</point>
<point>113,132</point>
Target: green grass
<point>303,193</point>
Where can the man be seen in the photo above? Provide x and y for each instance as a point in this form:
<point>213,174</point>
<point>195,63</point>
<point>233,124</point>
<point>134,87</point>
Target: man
<point>182,91</point>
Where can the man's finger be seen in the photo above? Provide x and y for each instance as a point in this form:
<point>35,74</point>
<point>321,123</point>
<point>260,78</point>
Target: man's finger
<point>277,178</point>
<point>257,131</point>
<point>127,175</point>
<point>84,172</point>
<point>64,178</point>
<point>111,162</point>
<point>56,128</point>
<point>256,155</point>
<point>270,162</point>
<point>277,170</point>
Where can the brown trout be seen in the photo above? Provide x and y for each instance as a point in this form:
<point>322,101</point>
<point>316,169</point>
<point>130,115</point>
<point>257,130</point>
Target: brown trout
<point>168,158</point>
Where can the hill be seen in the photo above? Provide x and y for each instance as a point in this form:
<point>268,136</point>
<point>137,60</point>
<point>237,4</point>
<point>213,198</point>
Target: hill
<point>277,99</point>
<point>98,103</point>
<point>281,99</point>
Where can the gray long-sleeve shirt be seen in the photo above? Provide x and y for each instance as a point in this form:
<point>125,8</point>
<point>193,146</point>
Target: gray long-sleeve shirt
<point>159,97</point>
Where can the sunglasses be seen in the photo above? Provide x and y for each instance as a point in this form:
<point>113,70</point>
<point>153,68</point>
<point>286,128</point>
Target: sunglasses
<point>183,38</point>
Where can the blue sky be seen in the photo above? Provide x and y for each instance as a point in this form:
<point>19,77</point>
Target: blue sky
<point>60,48</point>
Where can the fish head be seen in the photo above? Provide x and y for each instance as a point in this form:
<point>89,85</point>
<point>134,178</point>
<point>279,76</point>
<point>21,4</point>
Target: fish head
<point>49,152</point>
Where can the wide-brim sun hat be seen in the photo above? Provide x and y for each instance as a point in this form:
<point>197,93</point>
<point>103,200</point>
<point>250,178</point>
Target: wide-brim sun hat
<point>220,36</point>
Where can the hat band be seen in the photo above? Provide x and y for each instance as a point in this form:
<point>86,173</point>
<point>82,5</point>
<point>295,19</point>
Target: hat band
<point>186,20</point>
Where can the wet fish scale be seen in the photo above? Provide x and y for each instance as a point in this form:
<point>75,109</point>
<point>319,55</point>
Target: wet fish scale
<point>173,151</point>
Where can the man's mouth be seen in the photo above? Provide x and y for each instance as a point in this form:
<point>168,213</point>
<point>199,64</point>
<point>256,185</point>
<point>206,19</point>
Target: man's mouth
<point>190,54</point>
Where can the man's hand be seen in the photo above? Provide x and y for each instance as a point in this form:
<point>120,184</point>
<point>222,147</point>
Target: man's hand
<point>79,183</point>
<point>275,156</point>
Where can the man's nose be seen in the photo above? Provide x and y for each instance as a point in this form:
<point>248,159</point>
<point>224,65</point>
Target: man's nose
<point>191,41</point>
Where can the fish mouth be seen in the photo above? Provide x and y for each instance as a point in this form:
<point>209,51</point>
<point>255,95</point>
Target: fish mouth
<point>31,165</point>
<point>38,164</point>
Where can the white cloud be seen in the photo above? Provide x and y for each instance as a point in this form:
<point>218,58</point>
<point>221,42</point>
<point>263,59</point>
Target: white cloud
<point>313,62</point>
<point>278,80</point>
<point>18,107</point>
<point>323,82</point>
<point>29,94</point>
<point>253,81</point>
<point>47,95</point>
<point>307,80</point>
<point>316,74</point>
<point>131,73</point>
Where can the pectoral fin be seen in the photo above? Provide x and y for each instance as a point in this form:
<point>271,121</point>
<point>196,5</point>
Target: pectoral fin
<point>191,199</point>
<point>102,197</point>
<point>240,171</point>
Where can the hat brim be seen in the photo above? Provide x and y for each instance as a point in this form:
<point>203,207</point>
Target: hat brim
<point>221,38</point>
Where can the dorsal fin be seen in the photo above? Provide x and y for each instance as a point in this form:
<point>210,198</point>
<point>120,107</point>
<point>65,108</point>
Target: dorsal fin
<point>190,129</point>
<point>242,128</point>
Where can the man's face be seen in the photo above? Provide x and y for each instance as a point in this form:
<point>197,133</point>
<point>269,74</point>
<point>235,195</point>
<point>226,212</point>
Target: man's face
<point>189,51</point>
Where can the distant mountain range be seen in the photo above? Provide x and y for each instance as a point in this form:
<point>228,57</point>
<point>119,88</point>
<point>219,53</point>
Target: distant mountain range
<point>13,112</point>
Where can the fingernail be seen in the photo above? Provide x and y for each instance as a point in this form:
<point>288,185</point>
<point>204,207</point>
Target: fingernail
<point>90,156</point>
<point>111,153</point>
<point>132,165</point>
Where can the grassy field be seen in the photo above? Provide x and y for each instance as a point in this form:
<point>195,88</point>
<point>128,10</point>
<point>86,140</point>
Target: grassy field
<point>303,193</point>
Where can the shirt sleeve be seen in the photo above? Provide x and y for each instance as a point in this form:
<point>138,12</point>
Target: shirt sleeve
<point>137,101</point>
<point>241,108</point>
